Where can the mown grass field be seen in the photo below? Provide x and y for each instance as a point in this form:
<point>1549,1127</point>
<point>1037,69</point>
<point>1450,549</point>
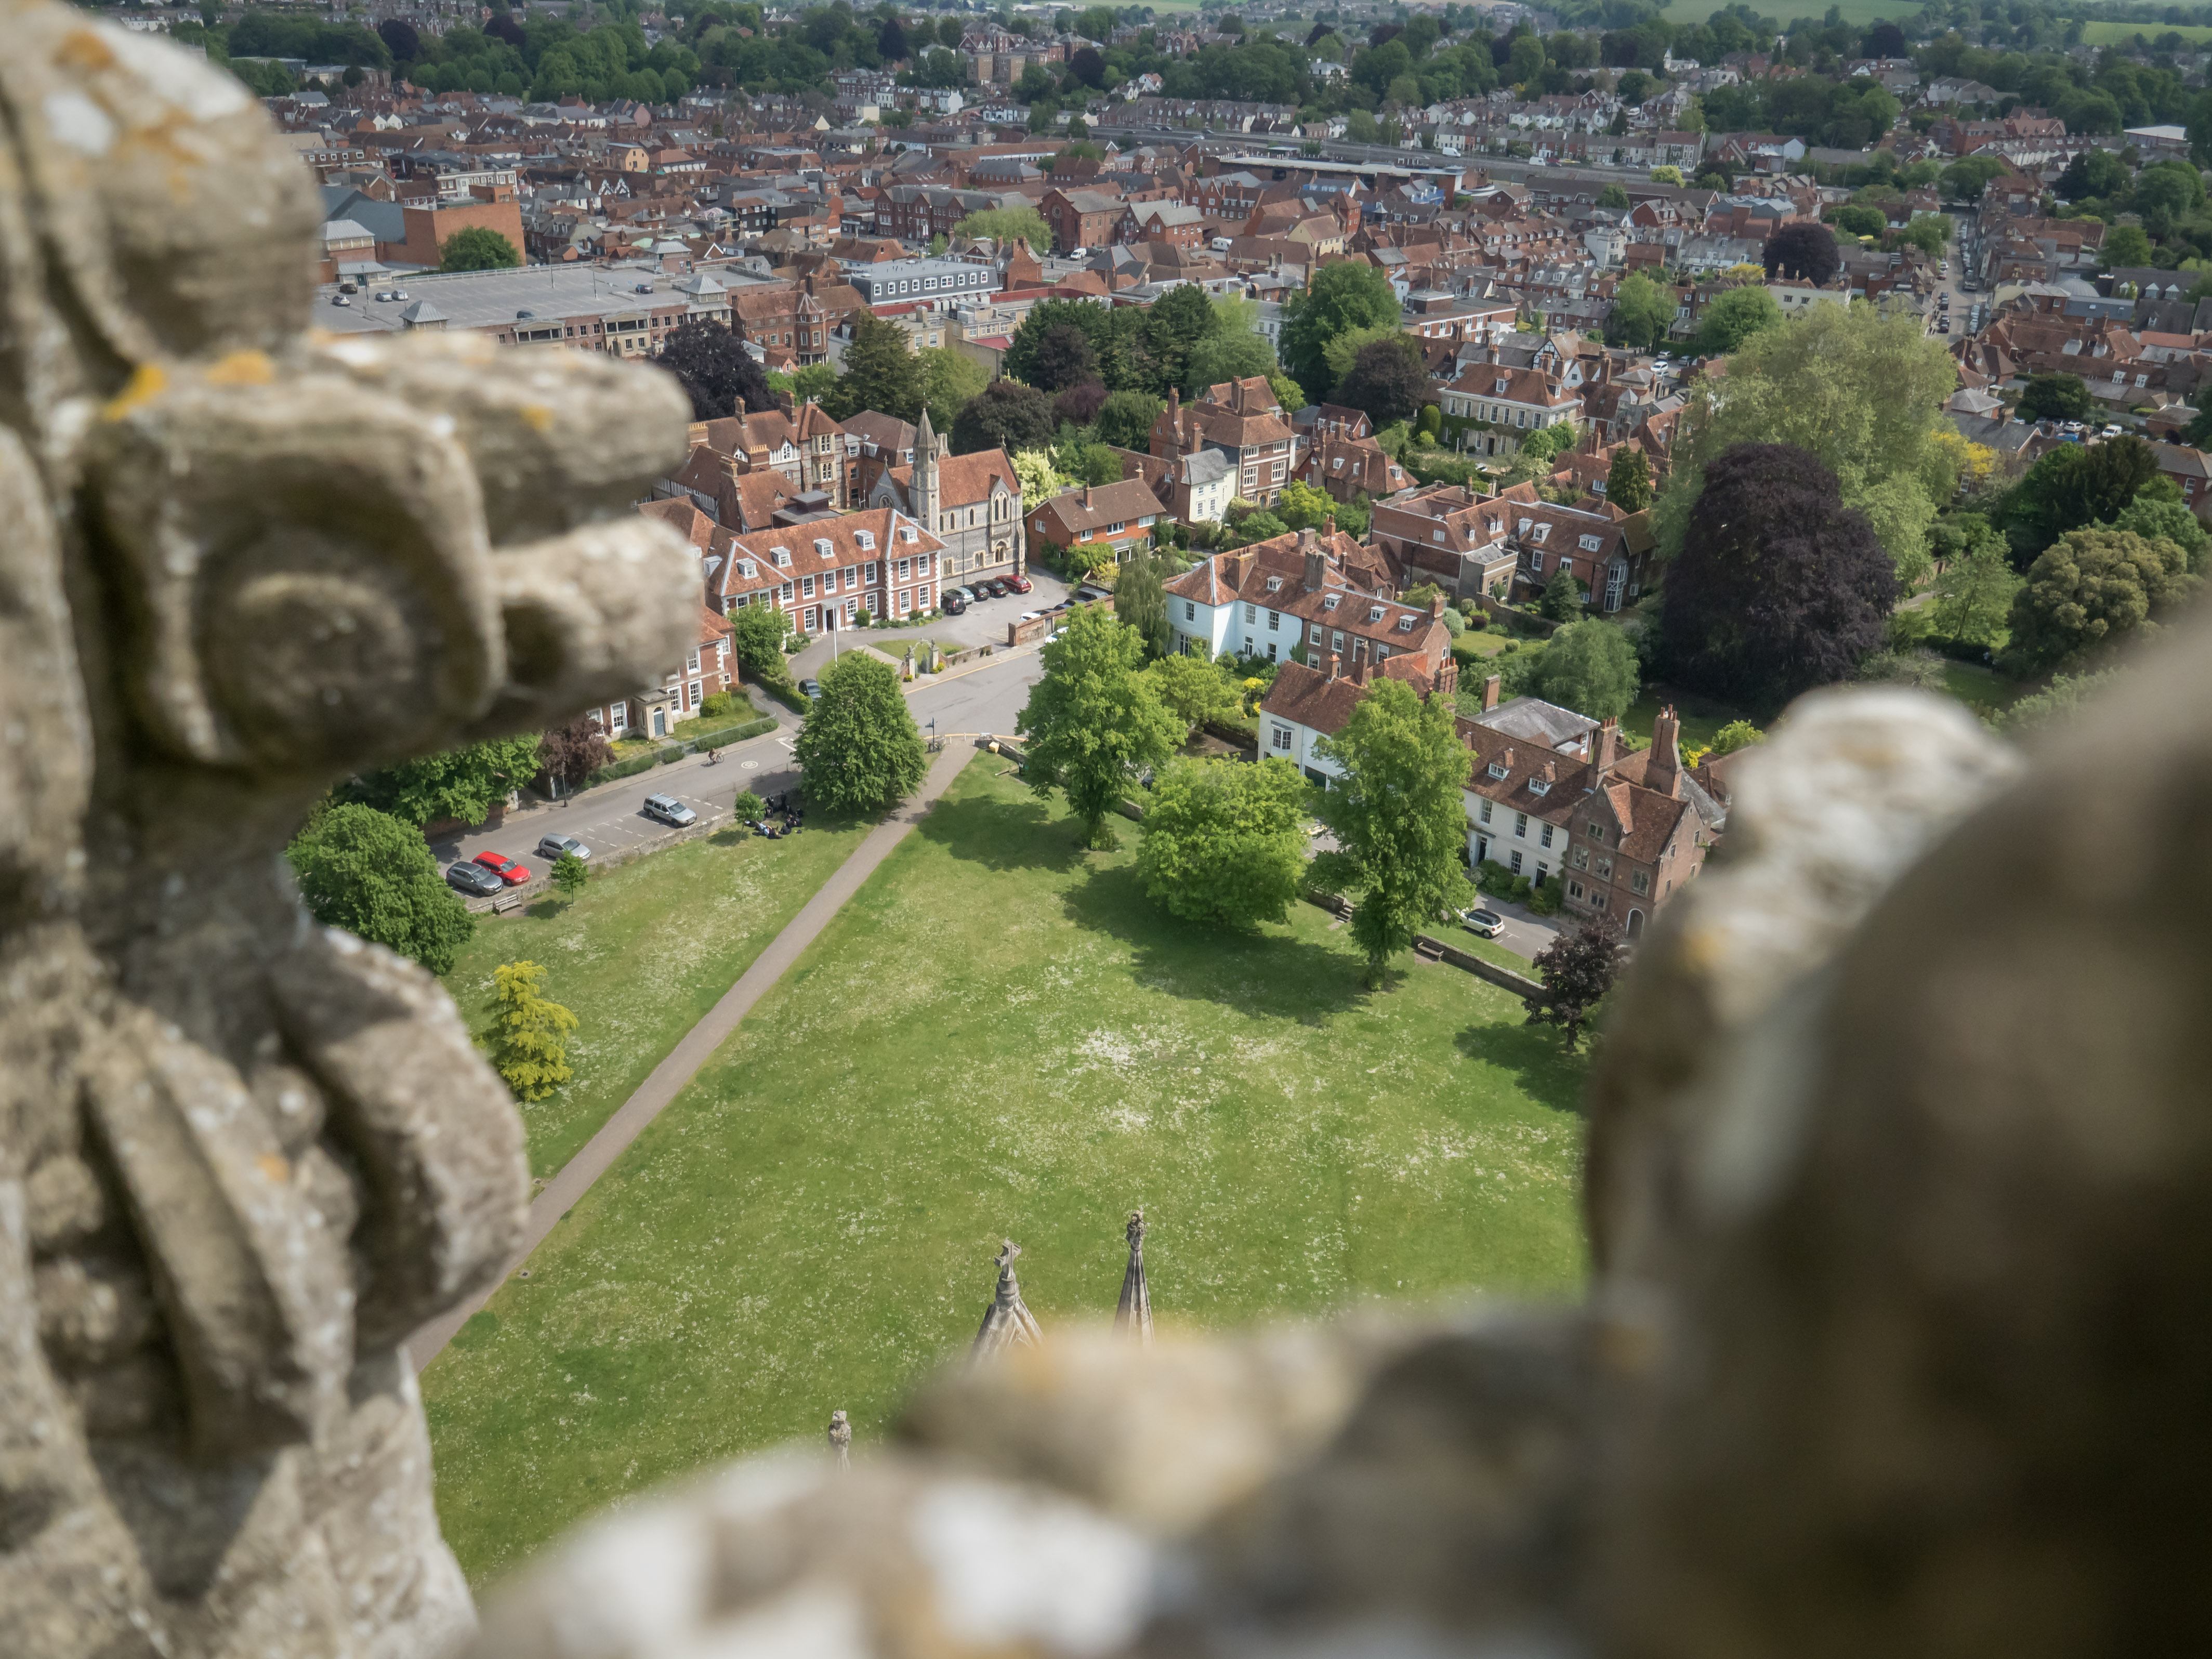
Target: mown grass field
<point>640,957</point>
<point>2109,33</point>
<point>1002,1036</point>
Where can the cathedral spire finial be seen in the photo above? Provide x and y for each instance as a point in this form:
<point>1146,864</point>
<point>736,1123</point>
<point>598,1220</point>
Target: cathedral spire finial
<point>1007,1323</point>
<point>1133,1317</point>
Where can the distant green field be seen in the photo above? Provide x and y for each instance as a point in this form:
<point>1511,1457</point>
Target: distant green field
<point>1852,11</point>
<point>2109,34</point>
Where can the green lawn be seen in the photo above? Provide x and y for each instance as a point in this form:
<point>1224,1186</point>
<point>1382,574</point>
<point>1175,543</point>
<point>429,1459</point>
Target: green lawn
<point>640,957</point>
<point>1000,1036</point>
<point>1982,689</point>
<point>2109,33</point>
<point>1700,716</point>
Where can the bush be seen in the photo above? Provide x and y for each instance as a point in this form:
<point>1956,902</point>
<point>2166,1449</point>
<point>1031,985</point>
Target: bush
<point>1464,653</point>
<point>623,768</point>
<point>1519,892</point>
<point>1544,898</point>
<point>722,703</point>
<point>1511,646</point>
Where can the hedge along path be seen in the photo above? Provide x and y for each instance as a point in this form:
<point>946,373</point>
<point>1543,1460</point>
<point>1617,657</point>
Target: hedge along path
<point>668,1079</point>
<point>679,749</point>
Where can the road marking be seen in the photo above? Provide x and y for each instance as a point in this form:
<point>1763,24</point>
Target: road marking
<point>749,765</point>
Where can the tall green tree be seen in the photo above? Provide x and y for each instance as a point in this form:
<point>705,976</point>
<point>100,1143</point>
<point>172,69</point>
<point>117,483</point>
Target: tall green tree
<point>1004,416</point>
<point>1224,842</point>
<point>881,373</point>
<point>1628,480</point>
<point>2056,397</point>
<point>1974,590</point>
<point>1140,599</point>
<point>860,748</point>
<point>1174,324</point>
<point>465,783</point>
<point>570,875</point>
<point>529,1033</point>
<point>1397,816</point>
<point>951,381</point>
<point>1590,667</point>
<point>1095,720</point>
<point>1342,296</point>
<point>1861,393</point>
<point>1561,598</point>
<point>478,248</point>
<point>1735,316</point>
<point>757,636</point>
<point>1194,687</point>
<point>1641,311</point>
<point>1125,420</point>
<point>368,872</point>
<point>2091,590</point>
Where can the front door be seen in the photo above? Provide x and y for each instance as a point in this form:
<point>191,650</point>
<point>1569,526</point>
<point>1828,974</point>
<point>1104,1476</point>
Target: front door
<point>660,722</point>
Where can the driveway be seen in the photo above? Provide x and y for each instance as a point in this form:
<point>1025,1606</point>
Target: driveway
<point>1526,932</point>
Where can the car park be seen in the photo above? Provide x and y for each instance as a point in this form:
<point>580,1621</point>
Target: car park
<point>669,811</point>
<point>398,293</point>
<point>1483,924</point>
<point>1019,584</point>
<point>557,847</point>
<point>474,881</point>
<point>504,867</point>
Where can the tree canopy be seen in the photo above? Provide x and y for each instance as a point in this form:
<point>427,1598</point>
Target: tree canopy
<point>1628,480</point>
<point>1388,382</point>
<point>528,1033</point>
<point>860,748</point>
<point>1590,667</point>
<point>1802,253</point>
<point>1578,969</point>
<point>1224,842</point>
<point>1641,311</point>
<point>2056,397</point>
<point>1095,720</point>
<point>368,872</point>
<point>881,373</point>
<point>2092,590</point>
<point>1734,317</point>
<point>1397,816</point>
<point>1006,415</point>
<point>479,247</point>
<point>1341,297</point>
<point>464,784</point>
<point>1778,587</point>
<point>717,371</point>
<point>1861,393</point>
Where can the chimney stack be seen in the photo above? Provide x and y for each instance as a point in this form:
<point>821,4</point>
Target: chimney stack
<point>1490,692</point>
<point>1086,500</point>
<point>1310,547</point>
<point>1328,526</point>
<point>1436,607</point>
<point>1604,751</point>
<point>1359,671</point>
<point>1328,662</point>
<point>1664,771</point>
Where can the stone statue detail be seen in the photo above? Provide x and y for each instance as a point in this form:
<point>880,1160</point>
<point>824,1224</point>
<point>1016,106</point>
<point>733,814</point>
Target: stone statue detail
<point>841,1440</point>
<point>1132,1317</point>
<point>1007,1323</point>
<point>241,1157</point>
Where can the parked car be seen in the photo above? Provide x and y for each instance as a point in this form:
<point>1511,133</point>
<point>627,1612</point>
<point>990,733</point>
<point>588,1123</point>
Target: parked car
<point>669,810</point>
<point>1030,615</point>
<point>504,867</point>
<point>554,846</point>
<point>474,881</point>
<point>994,588</point>
<point>1088,593</point>
<point>965,595</point>
<point>1019,584</point>
<point>383,296</point>
<point>2112,431</point>
<point>952,605</point>
<point>1483,924</point>
<point>340,300</point>
<point>810,689</point>
<point>398,293</point>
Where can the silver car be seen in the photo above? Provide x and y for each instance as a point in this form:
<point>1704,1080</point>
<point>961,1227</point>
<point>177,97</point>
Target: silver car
<point>554,846</point>
<point>670,811</point>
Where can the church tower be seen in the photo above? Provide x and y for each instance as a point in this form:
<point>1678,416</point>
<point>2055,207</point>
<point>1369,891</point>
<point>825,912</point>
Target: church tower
<point>924,495</point>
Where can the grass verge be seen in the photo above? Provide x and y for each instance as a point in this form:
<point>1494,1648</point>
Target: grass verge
<point>999,1036</point>
<point>640,956</point>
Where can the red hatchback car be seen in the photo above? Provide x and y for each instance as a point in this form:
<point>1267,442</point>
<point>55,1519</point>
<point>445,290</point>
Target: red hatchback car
<point>1019,584</point>
<point>504,867</point>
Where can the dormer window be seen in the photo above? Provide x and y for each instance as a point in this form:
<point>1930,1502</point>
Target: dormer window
<point>1329,603</point>
<point>1273,582</point>
<point>1590,543</point>
<point>1539,533</point>
<point>1405,624</point>
<point>865,540</point>
<point>824,547</point>
<point>1523,528</point>
<point>907,533</point>
<point>1496,771</point>
<point>745,566</point>
<point>783,555</point>
<point>1540,785</point>
<point>1374,613</point>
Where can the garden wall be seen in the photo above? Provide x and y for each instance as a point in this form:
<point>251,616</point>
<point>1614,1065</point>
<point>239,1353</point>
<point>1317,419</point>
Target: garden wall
<point>1497,611</point>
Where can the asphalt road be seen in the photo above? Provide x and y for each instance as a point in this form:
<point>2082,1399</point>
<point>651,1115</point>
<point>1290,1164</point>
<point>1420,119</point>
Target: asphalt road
<point>982,697</point>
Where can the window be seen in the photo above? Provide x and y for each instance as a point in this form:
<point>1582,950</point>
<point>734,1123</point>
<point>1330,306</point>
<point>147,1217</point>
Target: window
<point>621,712</point>
<point>866,540</point>
<point>1640,881</point>
<point>1336,641</point>
<point>1251,613</point>
<point>1273,619</point>
<point>1189,612</point>
<point>1497,769</point>
<point>1485,811</point>
<point>1536,562</point>
<point>1605,869</point>
<point>1597,832</point>
<point>1546,836</point>
<point>1579,857</point>
<point>1279,736</point>
<point>691,666</point>
<point>783,555</point>
<point>1520,826</point>
<point>1574,889</point>
<point>806,587</point>
<point>905,600</point>
<point>1588,544</point>
<point>1517,864</point>
<point>694,694</point>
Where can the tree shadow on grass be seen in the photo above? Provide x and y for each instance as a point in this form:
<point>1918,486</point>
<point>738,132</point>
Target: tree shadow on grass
<point>1003,834</point>
<point>1268,974</point>
<point>1537,1057</point>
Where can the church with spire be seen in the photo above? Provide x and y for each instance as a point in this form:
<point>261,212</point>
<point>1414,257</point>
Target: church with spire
<point>971,503</point>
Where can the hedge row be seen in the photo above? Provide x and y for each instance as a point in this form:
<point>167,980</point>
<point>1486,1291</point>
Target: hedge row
<point>676,751</point>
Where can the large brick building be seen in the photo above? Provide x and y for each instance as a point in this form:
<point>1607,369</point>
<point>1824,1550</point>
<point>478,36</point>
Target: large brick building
<point>879,560</point>
<point>971,503</point>
<point>1242,419</point>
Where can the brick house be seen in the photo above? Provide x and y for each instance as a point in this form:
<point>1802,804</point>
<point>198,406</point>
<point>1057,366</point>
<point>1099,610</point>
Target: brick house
<point>1511,402</point>
<point>872,559</point>
<point>1554,795</point>
<point>1242,419</point>
<point>1080,218</point>
<point>971,503</point>
<point>805,447</point>
<point>654,710</point>
<point>1172,222</point>
<point>793,318</point>
<point>1349,467</point>
<point>1121,515</point>
<point>874,444</point>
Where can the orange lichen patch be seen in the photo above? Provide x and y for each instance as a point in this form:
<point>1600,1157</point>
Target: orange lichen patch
<point>148,381</point>
<point>243,368</point>
<point>83,50</point>
<point>275,1166</point>
<point>538,418</point>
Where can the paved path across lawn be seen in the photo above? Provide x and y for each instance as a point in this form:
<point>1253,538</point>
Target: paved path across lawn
<point>668,1078</point>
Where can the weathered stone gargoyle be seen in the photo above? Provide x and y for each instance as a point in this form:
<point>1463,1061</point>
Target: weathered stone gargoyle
<point>241,1157</point>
